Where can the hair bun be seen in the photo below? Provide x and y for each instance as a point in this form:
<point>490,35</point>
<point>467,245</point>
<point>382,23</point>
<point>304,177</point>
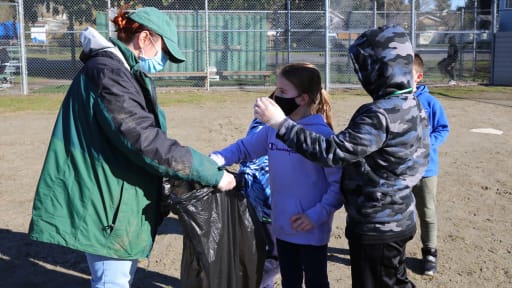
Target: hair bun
<point>119,21</point>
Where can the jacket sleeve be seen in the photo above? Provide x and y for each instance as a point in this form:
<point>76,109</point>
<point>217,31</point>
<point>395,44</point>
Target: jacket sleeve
<point>121,111</point>
<point>439,124</point>
<point>366,132</point>
<point>251,147</point>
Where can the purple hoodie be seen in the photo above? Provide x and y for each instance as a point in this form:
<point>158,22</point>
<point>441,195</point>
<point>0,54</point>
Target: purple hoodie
<point>297,184</point>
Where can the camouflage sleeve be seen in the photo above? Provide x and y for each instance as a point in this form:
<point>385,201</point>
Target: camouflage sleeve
<point>366,132</point>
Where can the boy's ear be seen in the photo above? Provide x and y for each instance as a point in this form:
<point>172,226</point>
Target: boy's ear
<point>419,77</point>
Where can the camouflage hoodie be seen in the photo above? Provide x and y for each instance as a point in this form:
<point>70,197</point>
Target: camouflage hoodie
<point>385,147</point>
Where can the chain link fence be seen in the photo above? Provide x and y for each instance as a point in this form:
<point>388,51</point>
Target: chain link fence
<point>10,47</point>
<point>242,43</point>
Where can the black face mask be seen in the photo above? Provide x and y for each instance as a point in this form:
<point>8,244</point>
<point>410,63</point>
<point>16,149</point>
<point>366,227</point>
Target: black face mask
<point>288,105</point>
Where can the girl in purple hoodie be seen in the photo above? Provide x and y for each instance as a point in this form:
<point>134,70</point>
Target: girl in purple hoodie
<point>304,194</point>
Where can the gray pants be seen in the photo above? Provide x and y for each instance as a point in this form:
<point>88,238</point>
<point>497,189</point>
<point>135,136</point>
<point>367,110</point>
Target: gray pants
<point>425,194</point>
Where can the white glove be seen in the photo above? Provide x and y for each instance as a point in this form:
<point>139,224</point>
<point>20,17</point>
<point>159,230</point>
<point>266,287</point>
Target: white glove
<point>218,159</point>
<point>267,111</point>
<point>227,182</point>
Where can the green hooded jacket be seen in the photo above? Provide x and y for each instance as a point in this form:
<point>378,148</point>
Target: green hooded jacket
<point>100,184</point>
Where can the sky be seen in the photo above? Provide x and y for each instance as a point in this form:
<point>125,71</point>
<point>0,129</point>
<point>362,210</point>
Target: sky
<point>457,3</point>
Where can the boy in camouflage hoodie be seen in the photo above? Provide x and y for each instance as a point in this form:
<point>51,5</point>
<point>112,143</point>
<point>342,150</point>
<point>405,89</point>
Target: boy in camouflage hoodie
<point>384,152</point>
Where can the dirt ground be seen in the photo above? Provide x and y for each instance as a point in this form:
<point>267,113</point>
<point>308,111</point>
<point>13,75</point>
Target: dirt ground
<point>474,197</point>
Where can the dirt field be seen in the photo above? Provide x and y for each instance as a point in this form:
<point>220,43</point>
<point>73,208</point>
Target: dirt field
<point>474,196</point>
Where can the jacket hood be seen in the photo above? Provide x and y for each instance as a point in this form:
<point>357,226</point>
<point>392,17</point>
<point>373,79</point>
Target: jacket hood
<point>421,89</point>
<point>383,61</point>
<point>313,120</point>
<point>93,42</point>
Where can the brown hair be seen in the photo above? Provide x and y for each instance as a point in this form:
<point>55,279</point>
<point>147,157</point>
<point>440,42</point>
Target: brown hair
<point>306,78</point>
<point>418,63</point>
<point>127,28</point>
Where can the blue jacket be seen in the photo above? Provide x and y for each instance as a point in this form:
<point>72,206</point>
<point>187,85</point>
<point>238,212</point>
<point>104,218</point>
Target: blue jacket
<point>257,182</point>
<point>297,184</point>
<point>439,128</point>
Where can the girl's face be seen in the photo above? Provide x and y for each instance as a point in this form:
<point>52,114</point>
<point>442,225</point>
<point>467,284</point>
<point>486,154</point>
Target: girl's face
<point>290,100</point>
<point>285,89</point>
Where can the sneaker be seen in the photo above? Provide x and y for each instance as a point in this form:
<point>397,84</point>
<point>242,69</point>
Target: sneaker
<point>429,260</point>
<point>452,82</point>
<point>270,271</point>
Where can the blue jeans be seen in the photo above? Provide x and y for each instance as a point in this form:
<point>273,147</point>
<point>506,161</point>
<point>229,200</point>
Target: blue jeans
<point>109,272</point>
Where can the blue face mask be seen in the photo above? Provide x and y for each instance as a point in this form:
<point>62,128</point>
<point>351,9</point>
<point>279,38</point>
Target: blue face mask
<point>155,64</point>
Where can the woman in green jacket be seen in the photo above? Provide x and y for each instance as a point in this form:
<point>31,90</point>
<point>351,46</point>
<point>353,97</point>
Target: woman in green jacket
<point>99,189</point>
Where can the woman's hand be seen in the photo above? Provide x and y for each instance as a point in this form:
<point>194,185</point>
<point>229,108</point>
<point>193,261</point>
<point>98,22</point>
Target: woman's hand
<point>301,222</point>
<point>218,159</point>
<point>267,111</point>
<point>227,182</point>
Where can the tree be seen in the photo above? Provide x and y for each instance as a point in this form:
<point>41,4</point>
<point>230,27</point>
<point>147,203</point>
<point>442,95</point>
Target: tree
<point>82,11</point>
<point>443,5</point>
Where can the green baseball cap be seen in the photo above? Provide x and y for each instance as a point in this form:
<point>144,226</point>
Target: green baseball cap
<point>162,25</point>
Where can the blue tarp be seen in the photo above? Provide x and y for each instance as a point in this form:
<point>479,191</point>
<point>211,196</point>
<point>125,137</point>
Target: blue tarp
<point>9,30</point>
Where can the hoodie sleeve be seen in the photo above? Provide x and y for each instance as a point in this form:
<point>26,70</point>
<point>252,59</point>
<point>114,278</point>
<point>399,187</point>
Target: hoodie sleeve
<point>251,147</point>
<point>366,132</point>
<point>438,124</point>
<point>121,111</point>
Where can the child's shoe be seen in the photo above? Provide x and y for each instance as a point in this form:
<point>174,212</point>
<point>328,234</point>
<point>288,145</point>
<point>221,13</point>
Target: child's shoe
<point>429,260</point>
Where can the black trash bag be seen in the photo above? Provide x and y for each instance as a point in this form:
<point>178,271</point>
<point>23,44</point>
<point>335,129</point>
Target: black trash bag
<point>223,241</point>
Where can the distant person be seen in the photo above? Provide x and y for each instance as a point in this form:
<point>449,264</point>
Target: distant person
<point>384,152</point>
<point>257,191</point>
<point>100,186</point>
<point>425,191</point>
<point>4,59</point>
<point>304,194</point>
<point>447,64</point>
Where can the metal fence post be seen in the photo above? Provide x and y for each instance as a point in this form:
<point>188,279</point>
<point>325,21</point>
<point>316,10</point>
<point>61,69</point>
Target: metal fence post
<point>473,69</point>
<point>413,24</point>
<point>374,13</point>
<point>288,29</point>
<point>23,54</point>
<point>493,37</point>
<point>206,30</point>
<point>327,50</point>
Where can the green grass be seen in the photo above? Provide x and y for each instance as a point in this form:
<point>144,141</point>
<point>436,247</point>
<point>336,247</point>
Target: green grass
<point>39,102</point>
<point>473,92</point>
<point>55,89</point>
<point>51,101</point>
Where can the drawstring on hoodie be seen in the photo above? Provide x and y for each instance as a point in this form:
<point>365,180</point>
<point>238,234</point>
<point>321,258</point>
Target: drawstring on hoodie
<point>402,91</point>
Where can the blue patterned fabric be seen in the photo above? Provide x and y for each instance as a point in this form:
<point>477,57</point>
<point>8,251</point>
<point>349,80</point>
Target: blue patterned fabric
<point>255,172</point>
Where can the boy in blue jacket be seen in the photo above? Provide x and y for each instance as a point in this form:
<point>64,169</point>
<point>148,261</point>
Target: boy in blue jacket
<point>425,190</point>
